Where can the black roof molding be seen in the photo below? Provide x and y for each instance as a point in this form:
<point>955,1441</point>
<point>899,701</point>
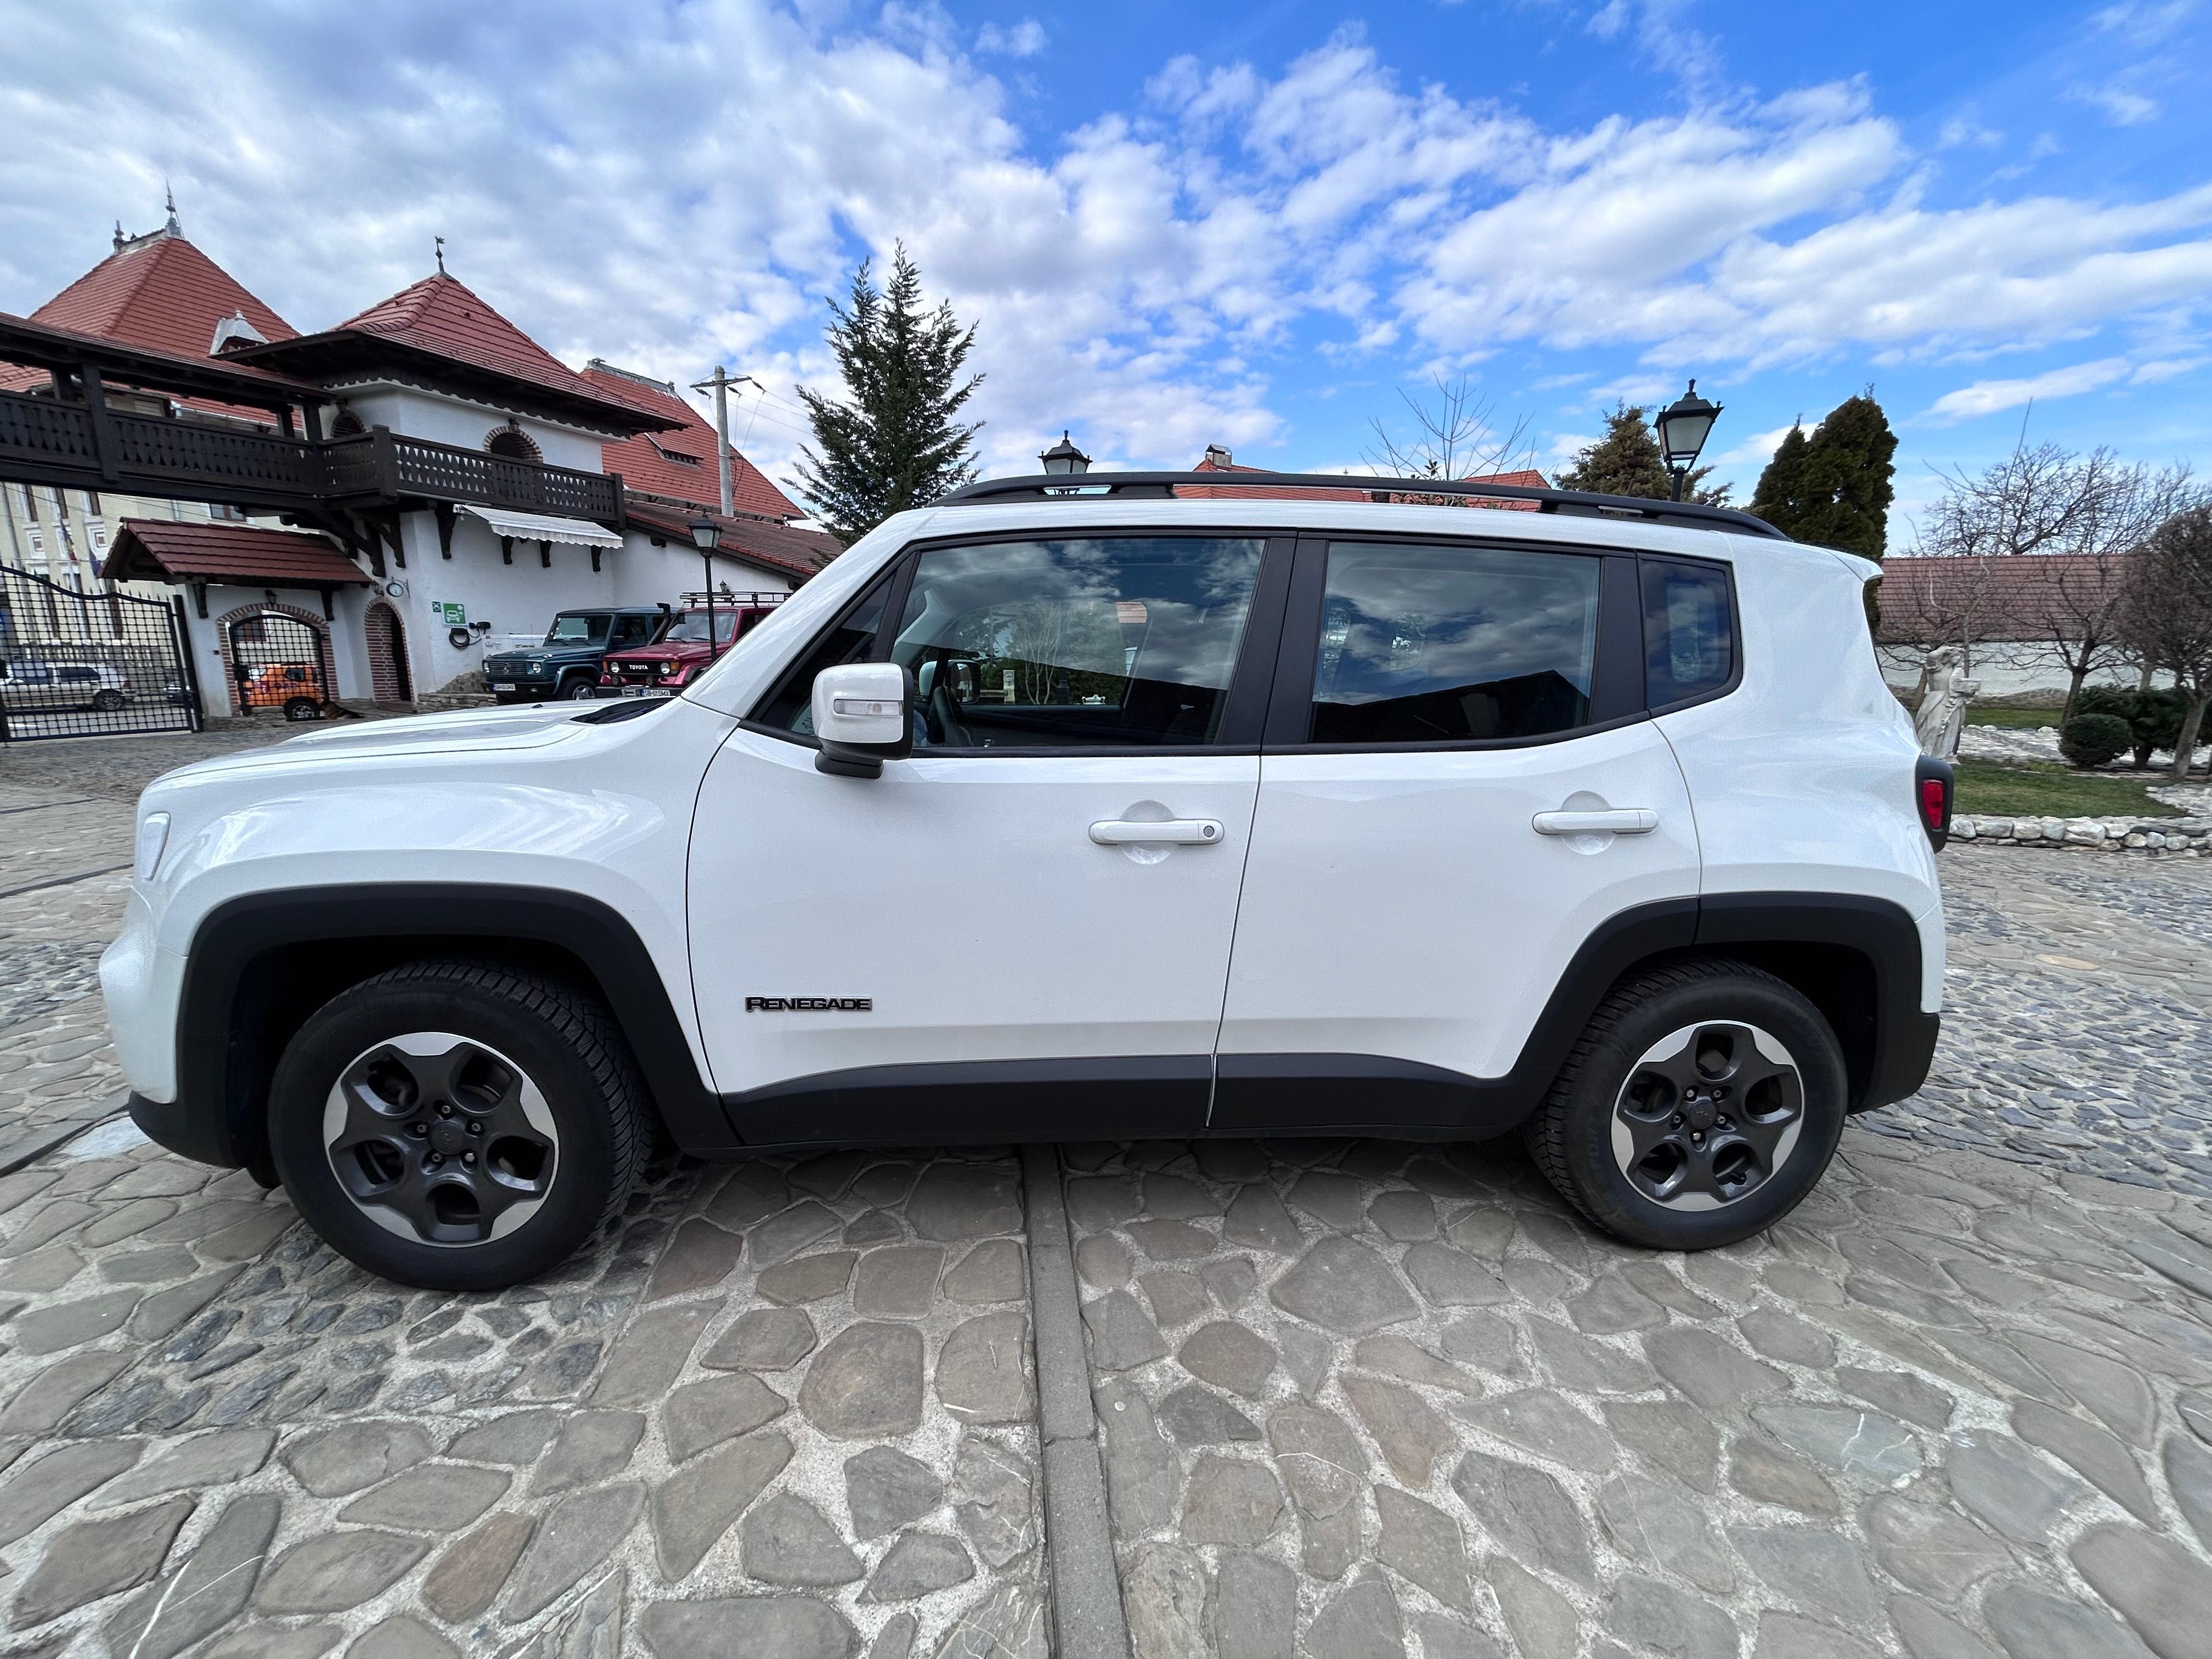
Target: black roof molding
<point>1574,503</point>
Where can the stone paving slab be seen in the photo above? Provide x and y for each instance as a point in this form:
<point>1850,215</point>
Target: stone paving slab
<point>1370,1399</point>
<point>783,1407</point>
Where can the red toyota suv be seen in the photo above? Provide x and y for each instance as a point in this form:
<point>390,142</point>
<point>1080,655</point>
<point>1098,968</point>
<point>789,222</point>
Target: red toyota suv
<point>690,643</point>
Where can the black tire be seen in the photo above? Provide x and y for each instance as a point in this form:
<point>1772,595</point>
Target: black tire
<point>1572,1135</point>
<point>107,701</point>
<point>580,688</point>
<point>558,1037</point>
<point>302,708</point>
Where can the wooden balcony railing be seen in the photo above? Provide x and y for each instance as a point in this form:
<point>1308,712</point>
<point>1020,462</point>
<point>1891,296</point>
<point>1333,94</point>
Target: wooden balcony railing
<point>77,445</point>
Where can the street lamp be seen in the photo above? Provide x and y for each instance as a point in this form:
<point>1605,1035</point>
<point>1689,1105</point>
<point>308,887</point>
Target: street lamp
<point>1682,427</point>
<point>1065,457</point>
<point>707,536</point>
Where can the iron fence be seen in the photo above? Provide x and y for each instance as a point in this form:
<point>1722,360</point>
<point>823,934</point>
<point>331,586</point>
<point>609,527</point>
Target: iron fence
<point>81,663</point>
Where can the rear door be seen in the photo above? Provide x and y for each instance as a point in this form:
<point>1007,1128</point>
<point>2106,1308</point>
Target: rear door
<point>1024,929</point>
<point>1458,787</point>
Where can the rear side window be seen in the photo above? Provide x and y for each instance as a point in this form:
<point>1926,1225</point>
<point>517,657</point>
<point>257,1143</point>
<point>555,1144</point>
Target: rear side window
<point>1689,631</point>
<point>1437,644</point>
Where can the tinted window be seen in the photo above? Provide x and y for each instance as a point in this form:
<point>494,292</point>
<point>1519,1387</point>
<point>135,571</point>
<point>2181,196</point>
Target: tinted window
<point>1689,635</point>
<point>1436,644</point>
<point>1112,641</point>
<point>692,628</point>
<point>585,630</point>
<point>633,630</point>
<point>790,707</point>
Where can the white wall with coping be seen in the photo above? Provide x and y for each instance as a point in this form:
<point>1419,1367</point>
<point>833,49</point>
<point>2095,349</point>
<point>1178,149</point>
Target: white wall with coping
<point>463,422</point>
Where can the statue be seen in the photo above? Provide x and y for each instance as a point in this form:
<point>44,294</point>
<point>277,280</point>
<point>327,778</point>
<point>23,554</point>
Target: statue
<point>1945,692</point>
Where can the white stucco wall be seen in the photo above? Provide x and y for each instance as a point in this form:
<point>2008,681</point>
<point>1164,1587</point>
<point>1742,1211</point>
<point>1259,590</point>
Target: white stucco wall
<point>461,422</point>
<point>646,575</point>
<point>2006,670</point>
<point>202,637</point>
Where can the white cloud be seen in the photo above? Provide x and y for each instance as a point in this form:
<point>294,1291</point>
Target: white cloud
<point>1755,450</point>
<point>1989,397</point>
<point>2123,106</point>
<point>672,187</point>
<point>1024,39</point>
<point>2144,22</point>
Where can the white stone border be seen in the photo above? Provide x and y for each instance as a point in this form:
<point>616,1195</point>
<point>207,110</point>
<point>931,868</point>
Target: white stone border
<point>2183,837</point>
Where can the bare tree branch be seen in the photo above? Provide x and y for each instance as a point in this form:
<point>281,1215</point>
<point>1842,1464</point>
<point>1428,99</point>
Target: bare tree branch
<point>1454,436</point>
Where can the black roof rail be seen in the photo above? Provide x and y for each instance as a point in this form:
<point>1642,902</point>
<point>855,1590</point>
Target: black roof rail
<point>1577,503</point>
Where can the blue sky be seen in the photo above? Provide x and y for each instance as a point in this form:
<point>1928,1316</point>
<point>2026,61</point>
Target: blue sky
<point>1178,225</point>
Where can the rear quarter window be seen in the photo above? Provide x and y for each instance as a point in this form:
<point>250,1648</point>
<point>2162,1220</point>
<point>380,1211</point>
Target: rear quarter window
<point>1689,631</point>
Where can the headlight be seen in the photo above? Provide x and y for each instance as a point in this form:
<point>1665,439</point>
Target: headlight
<point>666,669</point>
<point>153,836</point>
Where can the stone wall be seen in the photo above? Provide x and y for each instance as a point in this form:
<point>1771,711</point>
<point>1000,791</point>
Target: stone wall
<point>2184,836</point>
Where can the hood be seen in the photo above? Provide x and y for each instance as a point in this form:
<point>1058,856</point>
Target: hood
<point>677,653</point>
<point>528,726</point>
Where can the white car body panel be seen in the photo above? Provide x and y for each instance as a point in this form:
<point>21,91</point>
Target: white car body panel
<point>964,897</point>
<point>1401,903</point>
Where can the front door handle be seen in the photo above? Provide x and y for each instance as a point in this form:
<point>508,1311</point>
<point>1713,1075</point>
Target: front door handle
<point>1174,832</point>
<point>1610,821</point>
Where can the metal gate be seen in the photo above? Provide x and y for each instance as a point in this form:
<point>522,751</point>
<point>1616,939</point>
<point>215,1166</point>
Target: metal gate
<point>276,663</point>
<point>79,663</point>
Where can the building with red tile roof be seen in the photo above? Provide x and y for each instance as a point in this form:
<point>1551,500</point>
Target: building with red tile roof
<point>160,549</point>
<point>441,335</point>
<point>1217,459</point>
<point>678,464</point>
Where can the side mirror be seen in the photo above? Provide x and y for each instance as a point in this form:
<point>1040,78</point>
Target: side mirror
<point>861,718</point>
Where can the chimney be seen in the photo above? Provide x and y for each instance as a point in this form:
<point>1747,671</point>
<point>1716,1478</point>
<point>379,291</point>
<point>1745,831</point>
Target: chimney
<point>1216,456</point>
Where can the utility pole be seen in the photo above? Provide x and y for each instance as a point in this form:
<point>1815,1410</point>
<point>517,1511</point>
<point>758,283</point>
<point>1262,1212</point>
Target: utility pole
<point>719,385</point>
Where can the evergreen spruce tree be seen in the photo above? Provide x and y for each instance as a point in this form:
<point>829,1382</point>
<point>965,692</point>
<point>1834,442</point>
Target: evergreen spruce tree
<point>1834,489</point>
<point>892,443</point>
<point>1847,480</point>
<point>1780,497</point>
<point>1627,461</point>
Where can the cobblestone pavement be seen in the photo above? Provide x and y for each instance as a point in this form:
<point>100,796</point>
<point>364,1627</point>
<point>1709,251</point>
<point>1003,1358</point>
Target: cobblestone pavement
<point>1357,1400</point>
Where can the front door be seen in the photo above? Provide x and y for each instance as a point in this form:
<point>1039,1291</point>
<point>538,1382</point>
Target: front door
<point>1024,929</point>
<point>1458,789</point>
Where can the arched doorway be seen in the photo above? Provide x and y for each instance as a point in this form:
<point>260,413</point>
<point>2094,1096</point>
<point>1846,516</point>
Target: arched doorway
<point>276,662</point>
<point>389,680</point>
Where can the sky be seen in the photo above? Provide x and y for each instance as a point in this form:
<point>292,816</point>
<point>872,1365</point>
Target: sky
<point>1261,226</point>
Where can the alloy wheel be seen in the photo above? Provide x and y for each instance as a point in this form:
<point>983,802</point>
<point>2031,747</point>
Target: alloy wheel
<point>1708,1115</point>
<point>440,1139</point>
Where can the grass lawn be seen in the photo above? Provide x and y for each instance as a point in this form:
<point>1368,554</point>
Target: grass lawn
<point>2052,790</point>
<point>2020,719</point>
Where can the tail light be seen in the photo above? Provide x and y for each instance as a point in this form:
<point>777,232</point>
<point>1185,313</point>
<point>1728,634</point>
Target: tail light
<point>1933,781</point>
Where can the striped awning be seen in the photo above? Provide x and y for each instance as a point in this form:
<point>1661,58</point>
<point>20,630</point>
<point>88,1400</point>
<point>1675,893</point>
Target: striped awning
<point>539,527</point>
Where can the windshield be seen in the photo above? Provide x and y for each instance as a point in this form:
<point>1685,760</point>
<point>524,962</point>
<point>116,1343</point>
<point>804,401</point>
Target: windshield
<point>578,629</point>
<point>692,628</point>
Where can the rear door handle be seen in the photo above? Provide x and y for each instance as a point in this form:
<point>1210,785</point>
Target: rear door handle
<point>1174,832</point>
<point>1611,821</point>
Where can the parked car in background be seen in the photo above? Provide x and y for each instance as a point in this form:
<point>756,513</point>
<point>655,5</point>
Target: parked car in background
<point>295,687</point>
<point>680,654</point>
<point>567,665</point>
<point>44,685</point>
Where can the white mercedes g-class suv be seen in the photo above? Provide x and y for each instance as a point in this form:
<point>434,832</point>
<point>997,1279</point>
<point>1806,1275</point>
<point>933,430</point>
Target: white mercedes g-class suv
<point>1097,812</point>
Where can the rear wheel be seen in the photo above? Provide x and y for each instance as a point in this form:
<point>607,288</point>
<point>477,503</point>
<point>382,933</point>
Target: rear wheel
<point>458,1125</point>
<point>302,708</point>
<point>1702,1102</point>
<point>107,701</point>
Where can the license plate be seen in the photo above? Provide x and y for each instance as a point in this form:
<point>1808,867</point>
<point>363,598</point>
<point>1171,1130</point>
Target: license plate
<point>502,685</point>
<point>646,691</point>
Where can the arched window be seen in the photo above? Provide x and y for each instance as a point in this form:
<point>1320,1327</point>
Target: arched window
<point>512,442</point>
<point>348,425</point>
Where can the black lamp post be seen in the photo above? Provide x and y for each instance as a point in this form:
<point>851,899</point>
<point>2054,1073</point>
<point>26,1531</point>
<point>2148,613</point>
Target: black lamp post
<point>1683,426</point>
<point>1065,457</point>
<point>707,536</point>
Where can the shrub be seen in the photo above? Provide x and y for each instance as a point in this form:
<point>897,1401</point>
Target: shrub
<point>2092,739</point>
<point>2154,715</point>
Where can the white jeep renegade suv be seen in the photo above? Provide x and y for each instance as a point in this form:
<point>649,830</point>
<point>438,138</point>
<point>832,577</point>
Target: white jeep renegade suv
<point>1106,813</point>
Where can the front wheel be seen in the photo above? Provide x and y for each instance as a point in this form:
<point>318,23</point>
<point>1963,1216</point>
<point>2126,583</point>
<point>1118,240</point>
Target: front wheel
<point>107,701</point>
<point>1701,1105</point>
<point>302,708</point>
<point>458,1125</point>
<point>581,690</point>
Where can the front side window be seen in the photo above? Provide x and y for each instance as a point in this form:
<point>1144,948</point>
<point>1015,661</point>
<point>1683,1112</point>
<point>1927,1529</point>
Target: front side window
<point>1689,634</point>
<point>1446,644</point>
<point>578,629</point>
<point>790,707</point>
<point>633,630</point>
<point>1089,642</point>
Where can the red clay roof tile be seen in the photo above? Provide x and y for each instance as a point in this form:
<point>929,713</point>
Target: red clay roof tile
<point>152,549</point>
<point>645,466</point>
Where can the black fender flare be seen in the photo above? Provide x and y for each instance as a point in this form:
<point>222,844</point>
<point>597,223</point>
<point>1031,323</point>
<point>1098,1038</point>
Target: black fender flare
<point>224,1058</point>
